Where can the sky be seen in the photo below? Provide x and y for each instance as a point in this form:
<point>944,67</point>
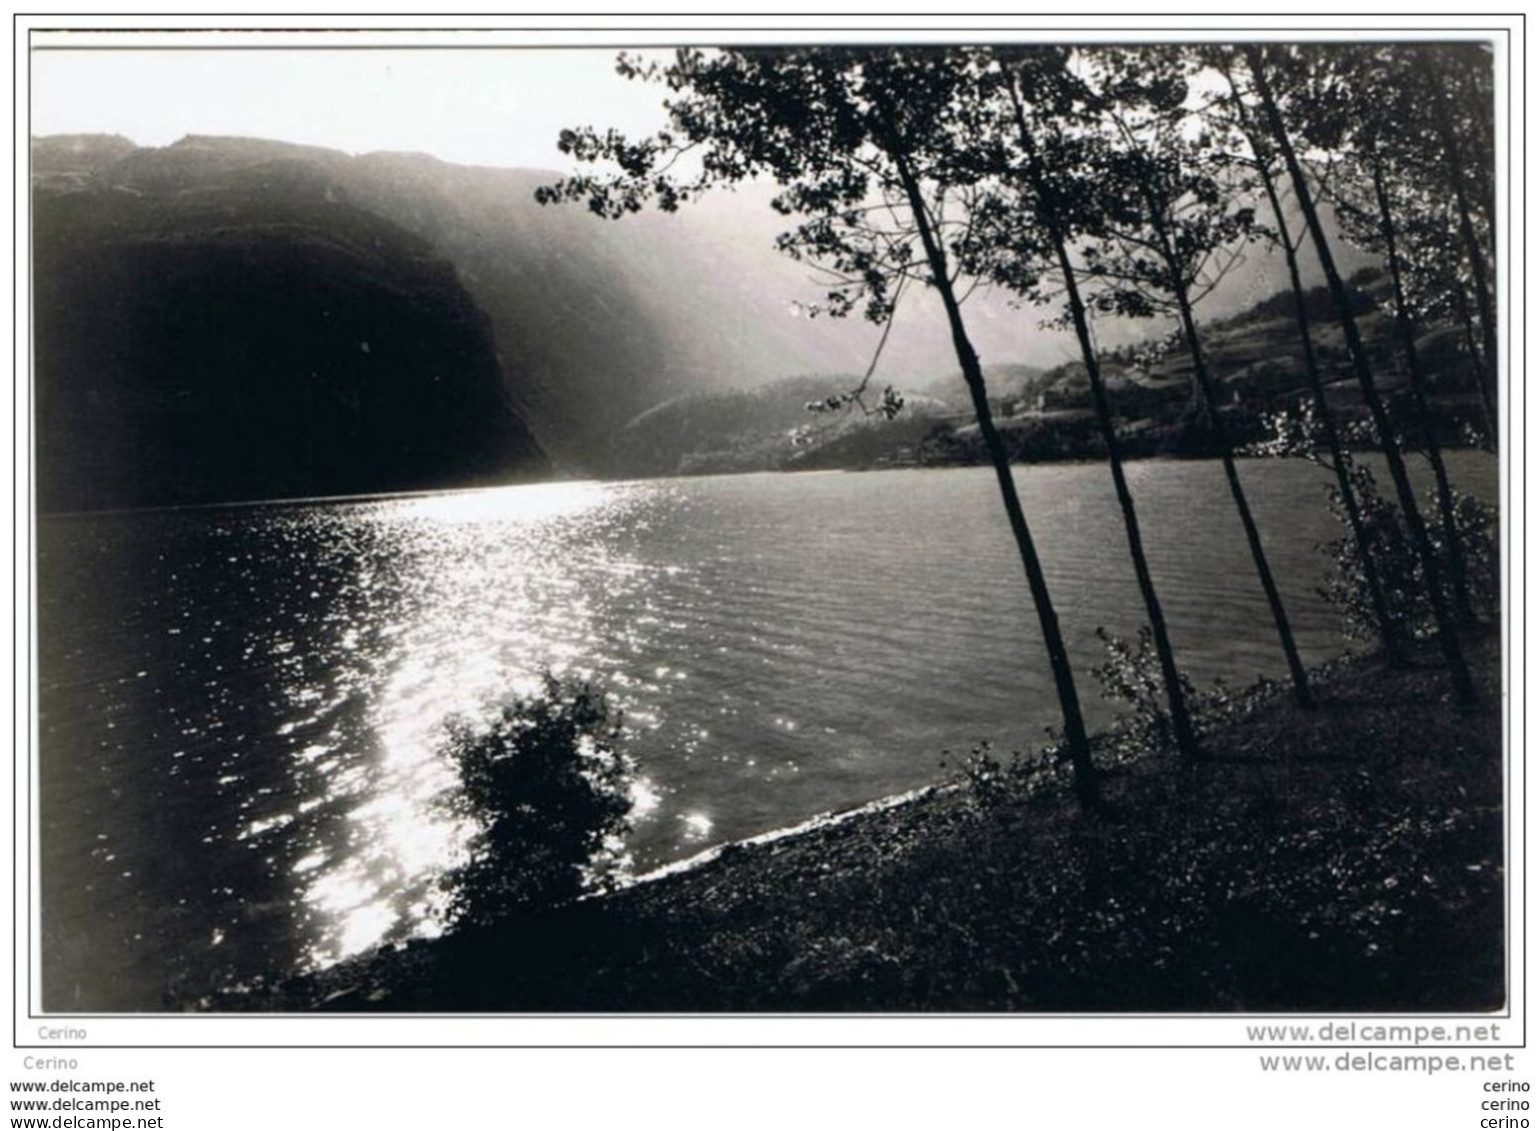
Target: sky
<point>500,107</point>
<point>497,106</point>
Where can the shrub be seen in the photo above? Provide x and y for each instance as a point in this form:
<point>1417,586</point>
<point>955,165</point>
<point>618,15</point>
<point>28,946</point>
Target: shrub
<point>1346,584</point>
<point>550,798</point>
<point>1296,432</point>
<point>1399,568</point>
<point>1132,675</point>
<point>989,782</point>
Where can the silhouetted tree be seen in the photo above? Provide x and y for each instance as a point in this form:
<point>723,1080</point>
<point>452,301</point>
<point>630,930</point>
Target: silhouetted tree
<point>845,132</point>
<point>1029,133</point>
<point>1260,61</point>
<point>1234,112</point>
<point>1375,147</point>
<point>1173,239</point>
<point>1458,88</point>
<point>1438,283</point>
<point>548,796</point>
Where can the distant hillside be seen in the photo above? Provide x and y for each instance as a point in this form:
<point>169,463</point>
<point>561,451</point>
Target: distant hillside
<point>767,428</point>
<point>209,331</point>
<point>1006,383</point>
<point>1255,357</point>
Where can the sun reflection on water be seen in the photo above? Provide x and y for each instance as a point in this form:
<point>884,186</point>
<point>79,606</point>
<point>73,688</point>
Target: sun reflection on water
<point>238,709</point>
<point>485,615</point>
<point>517,505</point>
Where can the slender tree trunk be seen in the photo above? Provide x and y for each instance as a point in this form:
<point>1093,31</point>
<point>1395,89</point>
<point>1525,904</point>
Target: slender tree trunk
<point>1453,159</point>
<point>1458,670</point>
<point>1419,396</point>
<point>1483,381</point>
<point>1086,781</point>
<point>1226,453</point>
<point>1237,491</point>
<point>1180,715</point>
<point>1388,632</point>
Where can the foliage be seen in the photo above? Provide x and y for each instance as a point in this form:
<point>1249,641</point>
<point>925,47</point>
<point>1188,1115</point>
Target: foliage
<point>1400,570</point>
<point>1179,209</point>
<point>889,406</point>
<point>839,129</point>
<point>1296,433</point>
<point>990,782</point>
<point>549,795</point>
<point>1288,434</point>
<point>1131,675</point>
<point>983,776</point>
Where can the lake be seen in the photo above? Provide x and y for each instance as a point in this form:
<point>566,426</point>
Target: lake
<point>241,708</point>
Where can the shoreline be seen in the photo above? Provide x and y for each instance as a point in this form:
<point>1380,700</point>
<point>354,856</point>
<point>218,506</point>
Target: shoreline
<point>1070,460</point>
<point>959,898</point>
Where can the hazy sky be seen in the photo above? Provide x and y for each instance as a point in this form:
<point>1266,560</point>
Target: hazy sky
<point>485,107</point>
<point>501,106</point>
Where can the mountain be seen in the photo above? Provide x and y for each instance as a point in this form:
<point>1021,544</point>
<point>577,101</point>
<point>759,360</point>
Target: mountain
<point>599,321</point>
<point>594,321</point>
<point>209,330</point>
<point>590,323</point>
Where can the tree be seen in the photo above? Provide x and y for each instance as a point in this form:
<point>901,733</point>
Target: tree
<point>548,796</point>
<point>1376,153</point>
<point>1171,242</point>
<point>1415,180</point>
<point>1260,62</point>
<point>1458,87</point>
<point>1438,283</point>
<point>1262,161</point>
<point>844,132</point>
<point>1043,172</point>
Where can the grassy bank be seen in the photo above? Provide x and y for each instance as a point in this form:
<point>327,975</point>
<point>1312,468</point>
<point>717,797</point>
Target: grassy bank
<point>1343,858</point>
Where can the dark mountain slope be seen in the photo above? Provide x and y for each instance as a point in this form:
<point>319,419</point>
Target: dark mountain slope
<point>209,330</point>
<point>567,295</point>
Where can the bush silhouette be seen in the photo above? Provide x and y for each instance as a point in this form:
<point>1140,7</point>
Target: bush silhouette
<point>1400,571</point>
<point>550,798</point>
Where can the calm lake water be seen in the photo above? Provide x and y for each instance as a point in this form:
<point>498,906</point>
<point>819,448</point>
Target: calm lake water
<point>240,708</point>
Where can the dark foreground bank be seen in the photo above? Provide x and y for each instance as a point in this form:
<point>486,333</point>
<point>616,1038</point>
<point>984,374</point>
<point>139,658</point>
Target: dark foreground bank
<point>1345,858</point>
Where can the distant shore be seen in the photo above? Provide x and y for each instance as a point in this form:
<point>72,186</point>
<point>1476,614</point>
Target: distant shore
<point>1344,858</point>
<point>1133,455</point>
